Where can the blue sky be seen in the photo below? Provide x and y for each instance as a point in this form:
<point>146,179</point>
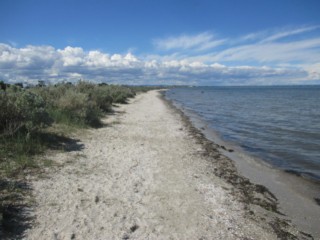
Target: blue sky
<point>246,42</point>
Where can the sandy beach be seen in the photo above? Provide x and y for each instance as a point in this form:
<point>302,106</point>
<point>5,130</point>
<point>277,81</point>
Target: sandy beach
<point>148,174</point>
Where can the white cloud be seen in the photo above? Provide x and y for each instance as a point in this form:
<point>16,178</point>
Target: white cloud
<point>287,33</point>
<point>273,35</point>
<point>273,47</point>
<point>278,48</point>
<point>28,57</point>
<point>72,56</point>
<point>304,50</point>
<point>97,59</point>
<point>199,42</point>
<point>33,63</point>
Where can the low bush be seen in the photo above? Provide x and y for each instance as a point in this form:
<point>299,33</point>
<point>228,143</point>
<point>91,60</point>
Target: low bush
<point>81,104</point>
<point>22,110</point>
<point>79,108</point>
<point>121,95</point>
<point>102,97</point>
<point>22,115</point>
<point>26,112</point>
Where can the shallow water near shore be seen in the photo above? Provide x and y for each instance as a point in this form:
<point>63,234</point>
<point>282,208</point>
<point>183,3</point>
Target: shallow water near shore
<point>297,195</point>
<point>277,124</point>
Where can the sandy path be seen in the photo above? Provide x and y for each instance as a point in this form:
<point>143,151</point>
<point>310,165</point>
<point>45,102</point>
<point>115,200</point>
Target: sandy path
<point>141,177</point>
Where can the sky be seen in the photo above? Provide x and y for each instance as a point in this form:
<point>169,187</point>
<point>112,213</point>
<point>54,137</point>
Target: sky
<point>183,42</point>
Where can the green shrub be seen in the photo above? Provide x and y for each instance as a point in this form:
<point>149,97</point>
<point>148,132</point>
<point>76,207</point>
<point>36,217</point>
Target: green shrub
<point>21,109</point>
<point>143,89</point>
<point>81,104</point>
<point>51,94</point>
<point>120,94</point>
<point>25,112</point>
<point>101,96</point>
<point>98,94</point>
<point>76,108</point>
<point>84,87</point>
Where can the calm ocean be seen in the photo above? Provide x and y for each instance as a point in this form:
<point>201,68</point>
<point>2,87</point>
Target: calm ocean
<point>280,125</point>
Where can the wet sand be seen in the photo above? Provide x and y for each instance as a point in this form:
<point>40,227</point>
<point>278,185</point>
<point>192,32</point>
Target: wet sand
<point>149,174</point>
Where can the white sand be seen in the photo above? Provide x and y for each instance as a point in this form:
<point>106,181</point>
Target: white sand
<point>141,177</point>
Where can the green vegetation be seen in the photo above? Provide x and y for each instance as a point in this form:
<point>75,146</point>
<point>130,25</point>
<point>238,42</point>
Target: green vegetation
<point>21,110</point>
<point>38,119</point>
<point>82,104</point>
<point>30,118</point>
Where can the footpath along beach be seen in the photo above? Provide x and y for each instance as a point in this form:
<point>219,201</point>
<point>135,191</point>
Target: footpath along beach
<point>149,174</point>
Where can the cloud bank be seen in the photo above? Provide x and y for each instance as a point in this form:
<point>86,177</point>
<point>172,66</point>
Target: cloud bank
<point>263,58</point>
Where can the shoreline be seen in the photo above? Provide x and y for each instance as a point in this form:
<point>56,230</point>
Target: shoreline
<point>150,174</point>
<point>299,204</point>
<point>286,145</point>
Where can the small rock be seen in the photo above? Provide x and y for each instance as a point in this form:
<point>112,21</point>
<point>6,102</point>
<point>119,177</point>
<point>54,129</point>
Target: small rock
<point>96,199</point>
<point>73,236</point>
<point>134,228</point>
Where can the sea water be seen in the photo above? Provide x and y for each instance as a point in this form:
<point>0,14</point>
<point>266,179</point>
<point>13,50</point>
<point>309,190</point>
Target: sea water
<point>280,125</point>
